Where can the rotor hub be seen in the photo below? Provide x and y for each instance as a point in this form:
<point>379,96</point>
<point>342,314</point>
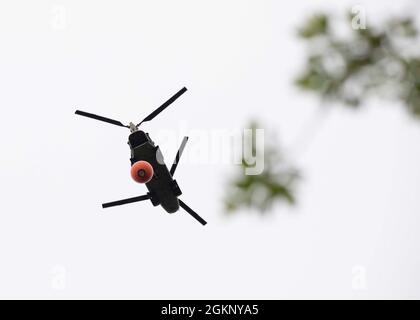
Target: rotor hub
<point>133,127</point>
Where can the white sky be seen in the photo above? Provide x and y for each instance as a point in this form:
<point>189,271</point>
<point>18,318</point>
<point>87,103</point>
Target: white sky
<point>358,202</point>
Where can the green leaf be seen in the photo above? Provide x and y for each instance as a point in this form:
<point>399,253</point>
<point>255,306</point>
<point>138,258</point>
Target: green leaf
<point>315,26</point>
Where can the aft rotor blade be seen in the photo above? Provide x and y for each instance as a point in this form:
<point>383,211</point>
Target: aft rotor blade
<point>163,106</point>
<point>178,155</point>
<point>191,212</point>
<point>125,201</point>
<point>100,118</point>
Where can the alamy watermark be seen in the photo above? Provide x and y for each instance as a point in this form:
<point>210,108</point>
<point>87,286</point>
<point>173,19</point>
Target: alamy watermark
<point>358,22</point>
<point>58,277</point>
<point>359,278</point>
<point>218,146</point>
<point>58,17</point>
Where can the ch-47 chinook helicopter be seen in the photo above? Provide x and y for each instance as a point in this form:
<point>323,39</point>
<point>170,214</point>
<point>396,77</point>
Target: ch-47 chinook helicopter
<point>147,165</point>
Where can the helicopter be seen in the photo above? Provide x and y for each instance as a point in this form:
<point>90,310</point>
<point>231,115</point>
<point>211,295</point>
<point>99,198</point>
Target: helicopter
<point>148,166</point>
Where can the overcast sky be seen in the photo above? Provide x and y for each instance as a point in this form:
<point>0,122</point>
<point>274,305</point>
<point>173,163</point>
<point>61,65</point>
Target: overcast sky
<point>357,218</point>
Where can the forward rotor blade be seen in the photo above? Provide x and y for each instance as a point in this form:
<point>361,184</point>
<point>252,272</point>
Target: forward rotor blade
<point>125,201</point>
<point>178,155</point>
<point>163,106</point>
<point>191,212</point>
<point>100,118</point>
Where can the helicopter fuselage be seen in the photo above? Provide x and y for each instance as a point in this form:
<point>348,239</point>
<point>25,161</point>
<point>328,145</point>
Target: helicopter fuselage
<point>148,166</point>
<point>163,189</point>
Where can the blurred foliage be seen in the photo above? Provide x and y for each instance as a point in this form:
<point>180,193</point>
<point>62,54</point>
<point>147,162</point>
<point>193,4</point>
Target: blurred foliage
<point>275,184</point>
<point>316,25</point>
<point>382,61</point>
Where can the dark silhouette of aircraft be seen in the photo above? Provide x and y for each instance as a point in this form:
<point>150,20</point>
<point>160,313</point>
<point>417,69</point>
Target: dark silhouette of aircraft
<point>148,167</point>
